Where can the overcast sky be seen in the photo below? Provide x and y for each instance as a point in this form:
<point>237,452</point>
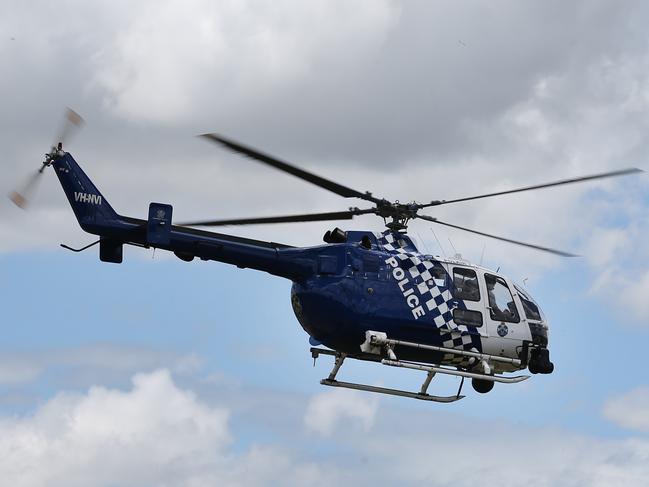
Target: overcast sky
<point>158,372</point>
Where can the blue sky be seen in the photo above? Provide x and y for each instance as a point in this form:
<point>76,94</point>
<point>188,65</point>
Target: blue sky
<point>84,324</point>
<point>161,372</point>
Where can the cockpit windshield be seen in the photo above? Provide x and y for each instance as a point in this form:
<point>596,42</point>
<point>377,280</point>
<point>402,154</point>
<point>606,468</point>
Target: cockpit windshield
<point>532,310</point>
<point>501,301</point>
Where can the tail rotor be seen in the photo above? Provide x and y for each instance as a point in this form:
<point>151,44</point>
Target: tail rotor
<point>23,196</point>
<point>71,124</point>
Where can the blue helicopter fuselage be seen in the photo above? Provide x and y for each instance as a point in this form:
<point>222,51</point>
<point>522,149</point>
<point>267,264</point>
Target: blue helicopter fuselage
<point>342,290</point>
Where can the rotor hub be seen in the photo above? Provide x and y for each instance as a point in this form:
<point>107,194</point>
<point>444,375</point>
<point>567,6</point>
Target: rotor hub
<point>399,213</point>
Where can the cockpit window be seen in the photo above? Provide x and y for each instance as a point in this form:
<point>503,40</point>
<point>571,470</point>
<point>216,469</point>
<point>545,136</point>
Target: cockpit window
<point>438,275</point>
<point>531,309</point>
<point>465,283</point>
<point>501,301</point>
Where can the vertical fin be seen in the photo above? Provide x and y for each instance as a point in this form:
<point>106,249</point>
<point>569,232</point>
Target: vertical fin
<point>89,205</point>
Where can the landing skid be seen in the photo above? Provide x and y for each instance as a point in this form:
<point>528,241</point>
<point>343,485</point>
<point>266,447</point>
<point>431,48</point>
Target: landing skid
<point>340,358</point>
<point>393,361</point>
<point>392,392</point>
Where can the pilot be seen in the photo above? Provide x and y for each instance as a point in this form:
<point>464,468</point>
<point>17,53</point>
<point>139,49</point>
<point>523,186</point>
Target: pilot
<point>366,243</point>
<point>497,314</point>
<point>470,289</point>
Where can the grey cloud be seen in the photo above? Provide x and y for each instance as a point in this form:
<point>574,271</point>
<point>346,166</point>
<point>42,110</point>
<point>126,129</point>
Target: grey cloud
<point>413,82</point>
<point>410,100</point>
<point>90,362</point>
<point>157,432</point>
<point>630,410</point>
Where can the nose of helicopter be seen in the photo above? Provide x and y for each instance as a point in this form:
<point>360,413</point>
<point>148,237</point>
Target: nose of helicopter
<point>539,332</point>
<point>539,360</point>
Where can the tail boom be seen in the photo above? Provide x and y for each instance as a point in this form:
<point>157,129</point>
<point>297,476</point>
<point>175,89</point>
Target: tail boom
<point>96,216</point>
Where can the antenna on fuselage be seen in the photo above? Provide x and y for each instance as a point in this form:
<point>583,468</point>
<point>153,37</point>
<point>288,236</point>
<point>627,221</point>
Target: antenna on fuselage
<point>451,242</point>
<point>457,256</point>
<point>439,243</point>
<point>423,243</point>
<point>484,246</point>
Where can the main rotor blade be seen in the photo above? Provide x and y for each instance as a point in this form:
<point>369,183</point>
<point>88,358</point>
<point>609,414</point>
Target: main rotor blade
<point>286,167</point>
<point>309,217</point>
<point>516,242</point>
<point>622,172</point>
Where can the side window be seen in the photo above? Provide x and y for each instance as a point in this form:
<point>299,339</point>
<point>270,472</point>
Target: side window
<point>465,284</point>
<point>439,276</point>
<point>467,317</point>
<point>501,302</point>
<point>530,308</point>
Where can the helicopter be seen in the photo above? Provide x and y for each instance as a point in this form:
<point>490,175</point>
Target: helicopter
<point>361,295</point>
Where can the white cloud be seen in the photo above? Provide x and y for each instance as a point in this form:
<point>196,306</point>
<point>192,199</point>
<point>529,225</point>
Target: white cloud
<point>158,434</point>
<point>93,360</point>
<point>630,410</point>
<point>16,372</point>
<point>171,60</point>
<point>356,84</point>
<point>634,289</point>
<point>539,458</point>
<point>384,90</point>
<point>152,435</point>
<point>330,411</point>
<point>24,230</point>
<point>618,259</point>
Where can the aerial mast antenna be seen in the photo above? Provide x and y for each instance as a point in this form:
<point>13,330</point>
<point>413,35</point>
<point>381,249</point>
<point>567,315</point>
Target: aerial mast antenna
<point>484,247</point>
<point>439,243</point>
<point>423,243</point>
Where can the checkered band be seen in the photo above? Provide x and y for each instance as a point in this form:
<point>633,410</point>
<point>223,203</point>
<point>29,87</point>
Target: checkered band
<point>438,299</point>
<point>462,340</point>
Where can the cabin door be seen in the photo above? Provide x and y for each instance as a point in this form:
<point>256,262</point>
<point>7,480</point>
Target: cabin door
<point>504,324</point>
<point>466,288</point>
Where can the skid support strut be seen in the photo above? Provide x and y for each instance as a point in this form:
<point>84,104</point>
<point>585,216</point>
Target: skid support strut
<point>424,386</point>
<point>338,362</point>
<point>378,346</point>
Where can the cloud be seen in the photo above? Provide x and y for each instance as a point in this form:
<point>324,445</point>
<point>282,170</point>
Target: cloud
<point>411,446</point>
<point>152,434</point>
<point>92,361</point>
<point>618,259</point>
<point>156,433</point>
<point>327,412</point>
<point>542,459</point>
<point>630,410</point>
<point>248,50</point>
<point>109,437</point>
<point>378,95</point>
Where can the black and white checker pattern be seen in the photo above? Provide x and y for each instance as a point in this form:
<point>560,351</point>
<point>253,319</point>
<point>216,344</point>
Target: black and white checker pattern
<point>462,340</point>
<point>438,300</point>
